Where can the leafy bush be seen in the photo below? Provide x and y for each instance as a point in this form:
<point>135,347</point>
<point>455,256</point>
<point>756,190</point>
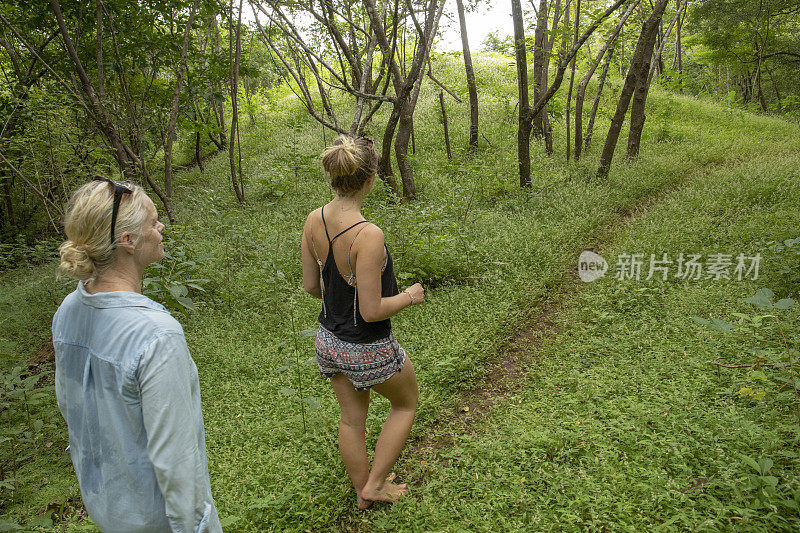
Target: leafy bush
<point>429,246</point>
<point>27,412</point>
<point>172,280</point>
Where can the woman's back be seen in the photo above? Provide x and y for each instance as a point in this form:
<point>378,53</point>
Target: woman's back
<point>336,238</point>
<point>121,361</point>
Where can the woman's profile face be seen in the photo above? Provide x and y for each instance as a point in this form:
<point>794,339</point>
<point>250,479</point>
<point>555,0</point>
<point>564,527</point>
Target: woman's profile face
<point>149,247</point>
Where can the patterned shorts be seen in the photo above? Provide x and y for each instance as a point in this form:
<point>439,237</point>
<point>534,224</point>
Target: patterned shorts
<point>365,365</point>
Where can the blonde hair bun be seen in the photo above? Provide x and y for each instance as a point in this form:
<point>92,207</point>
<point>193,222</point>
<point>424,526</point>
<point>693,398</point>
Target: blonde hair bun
<point>75,262</point>
<point>349,162</point>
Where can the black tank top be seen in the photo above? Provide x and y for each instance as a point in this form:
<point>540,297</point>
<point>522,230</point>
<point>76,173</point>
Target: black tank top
<point>340,314</point>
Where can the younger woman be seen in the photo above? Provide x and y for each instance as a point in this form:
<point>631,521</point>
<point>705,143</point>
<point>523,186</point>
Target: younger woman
<point>348,266</point>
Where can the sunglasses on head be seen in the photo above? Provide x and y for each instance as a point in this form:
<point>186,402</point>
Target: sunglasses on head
<point>368,139</point>
<point>119,190</point>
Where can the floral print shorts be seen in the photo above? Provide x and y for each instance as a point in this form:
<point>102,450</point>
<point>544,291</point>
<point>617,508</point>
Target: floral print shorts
<point>365,365</point>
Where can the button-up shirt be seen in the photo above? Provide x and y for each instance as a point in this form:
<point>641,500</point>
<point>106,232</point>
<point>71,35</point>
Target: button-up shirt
<point>128,389</point>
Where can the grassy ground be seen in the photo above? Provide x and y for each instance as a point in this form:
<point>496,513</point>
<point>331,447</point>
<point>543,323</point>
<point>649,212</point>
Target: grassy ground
<point>585,441</point>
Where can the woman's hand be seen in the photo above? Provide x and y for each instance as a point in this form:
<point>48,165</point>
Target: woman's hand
<point>417,293</point>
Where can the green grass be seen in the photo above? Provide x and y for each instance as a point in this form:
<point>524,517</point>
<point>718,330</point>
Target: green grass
<point>493,254</point>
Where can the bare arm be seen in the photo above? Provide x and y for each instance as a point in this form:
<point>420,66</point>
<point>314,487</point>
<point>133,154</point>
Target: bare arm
<point>310,266</point>
<point>370,255</point>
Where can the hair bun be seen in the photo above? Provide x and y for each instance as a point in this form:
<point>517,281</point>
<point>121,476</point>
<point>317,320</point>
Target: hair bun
<point>341,159</point>
<point>75,261</point>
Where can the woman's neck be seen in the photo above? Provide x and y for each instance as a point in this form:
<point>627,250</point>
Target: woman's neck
<point>348,204</point>
<point>115,279</point>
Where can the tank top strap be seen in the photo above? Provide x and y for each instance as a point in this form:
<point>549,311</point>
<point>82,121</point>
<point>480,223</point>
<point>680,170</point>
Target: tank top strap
<point>346,230</point>
<point>328,235</point>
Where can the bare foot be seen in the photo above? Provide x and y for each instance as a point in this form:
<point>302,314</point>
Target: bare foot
<point>386,492</point>
<point>362,503</point>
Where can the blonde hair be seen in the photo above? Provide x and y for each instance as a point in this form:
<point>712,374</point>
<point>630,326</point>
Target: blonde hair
<point>349,162</point>
<point>87,223</point>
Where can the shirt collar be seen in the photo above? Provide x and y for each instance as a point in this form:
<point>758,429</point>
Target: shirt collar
<point>104,300</point>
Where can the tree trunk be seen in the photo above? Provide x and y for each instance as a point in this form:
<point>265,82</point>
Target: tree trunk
<point>8,200</point>
<point>446,129</point>
<point>572,72</point>
<point>236,177</point>
<point>525,124</point>
<point>401,140</point>
<point>640,97</point>
<point>640,66</point>
<point>678,52</point>
<point>600,83</point>
<point>548,53</point>
<point>659,63</point>
<point>101,80</point>
<point>539,67</point>
<point>173,113</point>
<point>471,86</point>
<point>607,48</point>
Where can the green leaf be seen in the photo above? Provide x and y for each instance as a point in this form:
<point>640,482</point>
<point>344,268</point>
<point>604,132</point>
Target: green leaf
<point>702,321</point>
<point>762,299</point>
<point>772,481</point>
<point>40,521</point>
<point>765,465</point>
<point>288,392</point>
<point>186,302</point>
<point>285,367</point>
<point>178,290</point>
<point>751,462</point>
<point>312,401</point>
<point>308,333</point>
<point>784,303</point>
<point>721,325</point>
<point>229,521</point>
<point>758,375</point>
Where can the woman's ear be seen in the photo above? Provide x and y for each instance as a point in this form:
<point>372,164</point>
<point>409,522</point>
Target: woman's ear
<point>126,242</point>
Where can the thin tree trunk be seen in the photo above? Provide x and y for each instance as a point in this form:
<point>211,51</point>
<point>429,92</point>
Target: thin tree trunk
<point>548,53</point>
<point>101,80</point>
<point>640,65</point>
<point>173,113</point>
<point>7,198</point>
<point>444,121</point>
<point>236,178</point>
<point>581,92</point>
<point>640,96</point>
<point>595,106</point>
<point>127,159</point>
<point>539,68</point>
<point>572,73</point>
<point>524,125</point>
<point>660,50</point>
<point>409,94</point>
<point>679,53</point>
<point>471,86</point>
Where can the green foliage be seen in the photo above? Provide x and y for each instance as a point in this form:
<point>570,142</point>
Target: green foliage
<point>176,276</point>
<point>776,348</point>
<point>20,252</point>
<point>29,416</point>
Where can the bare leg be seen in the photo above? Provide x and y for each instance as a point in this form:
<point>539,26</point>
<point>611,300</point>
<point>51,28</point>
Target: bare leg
<point>402,392</point>
<point>352,428</point>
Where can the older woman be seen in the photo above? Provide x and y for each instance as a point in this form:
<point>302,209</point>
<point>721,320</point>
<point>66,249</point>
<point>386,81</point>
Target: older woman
<point>354,277</point>
<point>125,382</point>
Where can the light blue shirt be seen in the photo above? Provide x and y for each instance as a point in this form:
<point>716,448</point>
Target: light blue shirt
<point>128,389</point>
